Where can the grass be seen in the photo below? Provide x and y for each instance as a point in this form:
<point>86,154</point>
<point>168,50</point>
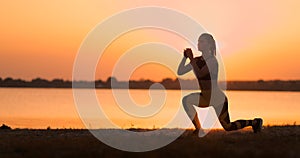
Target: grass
<point>273,141</point>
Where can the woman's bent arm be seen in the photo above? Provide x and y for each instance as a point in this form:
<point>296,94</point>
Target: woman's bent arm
<point>182,68</point>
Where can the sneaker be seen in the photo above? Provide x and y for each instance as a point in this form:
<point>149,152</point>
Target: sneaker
<point>257,127</point>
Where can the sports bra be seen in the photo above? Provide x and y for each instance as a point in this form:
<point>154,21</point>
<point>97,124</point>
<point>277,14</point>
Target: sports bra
<point>200,61</point>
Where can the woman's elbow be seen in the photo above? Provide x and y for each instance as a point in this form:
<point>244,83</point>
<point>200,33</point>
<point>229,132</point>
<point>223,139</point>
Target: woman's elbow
<point>180,72</point>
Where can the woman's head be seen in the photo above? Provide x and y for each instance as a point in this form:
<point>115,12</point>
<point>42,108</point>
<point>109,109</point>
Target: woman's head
<point>207,44</point>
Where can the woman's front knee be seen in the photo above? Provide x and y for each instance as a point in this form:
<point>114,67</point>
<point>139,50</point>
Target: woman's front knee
<point>190,98</point>
<point>184,100</point>
<point>186,103</point>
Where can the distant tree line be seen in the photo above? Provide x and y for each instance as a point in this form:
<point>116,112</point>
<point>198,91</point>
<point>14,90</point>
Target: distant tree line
<point>168,83</point>
<point>37,82</point>
<point>271,85</point>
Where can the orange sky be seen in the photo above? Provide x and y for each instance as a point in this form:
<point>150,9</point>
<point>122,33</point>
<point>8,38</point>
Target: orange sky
<point>257,40</point>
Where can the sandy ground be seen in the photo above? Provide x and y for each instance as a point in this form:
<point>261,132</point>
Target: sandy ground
<point>276,141</point>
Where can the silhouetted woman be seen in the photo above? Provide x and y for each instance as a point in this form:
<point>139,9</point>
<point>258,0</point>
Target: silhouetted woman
<point>205,69</point>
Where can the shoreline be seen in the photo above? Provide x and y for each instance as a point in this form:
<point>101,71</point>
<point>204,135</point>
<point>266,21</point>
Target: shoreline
<point>167,83</point>
<point>138,129</point>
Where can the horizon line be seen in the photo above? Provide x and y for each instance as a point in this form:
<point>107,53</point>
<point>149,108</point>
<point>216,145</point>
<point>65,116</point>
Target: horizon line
<point>142,79</point>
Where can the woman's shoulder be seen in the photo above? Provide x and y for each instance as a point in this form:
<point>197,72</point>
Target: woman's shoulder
<point>212,59</point>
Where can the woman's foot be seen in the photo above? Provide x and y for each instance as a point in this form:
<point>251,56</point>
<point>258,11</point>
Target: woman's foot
<point>257,125</point>
<point>200,132</point>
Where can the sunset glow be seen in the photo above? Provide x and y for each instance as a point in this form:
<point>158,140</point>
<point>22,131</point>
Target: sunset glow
<point>41,39</point>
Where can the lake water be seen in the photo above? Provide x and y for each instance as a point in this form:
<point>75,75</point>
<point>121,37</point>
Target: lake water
<point>41,108</point>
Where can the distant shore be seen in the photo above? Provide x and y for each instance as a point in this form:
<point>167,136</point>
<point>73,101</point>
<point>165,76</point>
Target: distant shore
<point>274,141</point>
<point>168,83</point>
